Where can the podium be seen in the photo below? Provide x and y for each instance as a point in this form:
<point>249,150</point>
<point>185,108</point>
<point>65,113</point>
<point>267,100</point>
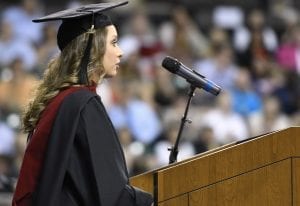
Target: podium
<point>263,170</point>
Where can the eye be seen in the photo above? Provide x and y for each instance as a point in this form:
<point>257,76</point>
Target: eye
<point>114,42</point>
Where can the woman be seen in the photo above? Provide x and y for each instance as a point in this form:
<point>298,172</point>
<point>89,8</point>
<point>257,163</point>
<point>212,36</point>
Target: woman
<point>73,156</point>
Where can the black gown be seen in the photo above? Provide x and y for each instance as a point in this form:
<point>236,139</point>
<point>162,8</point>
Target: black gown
<point>84,163</point>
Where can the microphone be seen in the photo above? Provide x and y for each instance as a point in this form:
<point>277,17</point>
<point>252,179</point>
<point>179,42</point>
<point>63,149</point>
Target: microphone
<point>191,76</point>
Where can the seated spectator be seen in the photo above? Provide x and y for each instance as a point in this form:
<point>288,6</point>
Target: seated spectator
<point>165,92</point>
<point>12,48</point>
<point>205,140</point>
<point>270,119</point>
<point>6,181</point>
<point>7,140</point>
<point>182,38</point>
<point>134,110</point>
<point>228,16</point>
<point>20,18</point>
<point>47,49</point>
<point>227,125</point>
<point>255,40</point>
<point>244,98</point>
<point>16,90</point>
<point>143,121</point>
<point>288,53</point>
<point>217,36</point>
<point>220,68</point>
<point>286,87</point>
<point>141,39</point>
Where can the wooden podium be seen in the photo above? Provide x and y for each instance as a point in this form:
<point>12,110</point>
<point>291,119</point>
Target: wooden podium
<point>264,170</point>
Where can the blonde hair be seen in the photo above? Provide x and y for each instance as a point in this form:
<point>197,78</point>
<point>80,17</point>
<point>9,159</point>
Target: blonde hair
<point>62,72</point>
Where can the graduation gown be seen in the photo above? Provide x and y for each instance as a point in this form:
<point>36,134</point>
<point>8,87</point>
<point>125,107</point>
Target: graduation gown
<point>74,157</point>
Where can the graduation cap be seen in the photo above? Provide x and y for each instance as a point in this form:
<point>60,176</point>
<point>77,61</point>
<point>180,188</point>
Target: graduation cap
<point>77,21</point>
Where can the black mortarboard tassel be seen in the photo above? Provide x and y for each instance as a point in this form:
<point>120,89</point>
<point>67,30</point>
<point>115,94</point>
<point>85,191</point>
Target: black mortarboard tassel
<point>77,21</point>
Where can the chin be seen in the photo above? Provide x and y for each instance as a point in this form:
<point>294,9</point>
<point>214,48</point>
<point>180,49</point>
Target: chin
<point>111,72</point>
<point>110,75</point>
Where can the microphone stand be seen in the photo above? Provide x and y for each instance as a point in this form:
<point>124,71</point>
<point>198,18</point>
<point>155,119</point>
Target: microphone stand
<point>174,150</point>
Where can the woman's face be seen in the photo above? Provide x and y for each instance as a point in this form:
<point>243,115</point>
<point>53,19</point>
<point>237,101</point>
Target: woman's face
<point>113,53</point>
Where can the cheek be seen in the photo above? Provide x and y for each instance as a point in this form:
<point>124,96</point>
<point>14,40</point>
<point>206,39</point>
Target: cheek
<point>109,55</point>
<point>106,58</point>
<point>108,62</point>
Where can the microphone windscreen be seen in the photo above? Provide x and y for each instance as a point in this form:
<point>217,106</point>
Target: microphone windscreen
<point>170,64</point>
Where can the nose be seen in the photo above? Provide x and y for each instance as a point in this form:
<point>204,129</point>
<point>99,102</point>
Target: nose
<point>120,52</point>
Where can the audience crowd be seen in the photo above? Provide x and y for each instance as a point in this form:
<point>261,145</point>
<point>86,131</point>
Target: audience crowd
<point>253,53</point>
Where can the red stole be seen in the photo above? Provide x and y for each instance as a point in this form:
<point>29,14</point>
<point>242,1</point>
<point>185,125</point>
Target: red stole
<point>36,148</point>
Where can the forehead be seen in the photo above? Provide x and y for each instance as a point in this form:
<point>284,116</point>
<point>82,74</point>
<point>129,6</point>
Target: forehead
<point>111,31</point>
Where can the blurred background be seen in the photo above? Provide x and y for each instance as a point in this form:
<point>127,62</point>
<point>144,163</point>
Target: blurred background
<point>250,48</point>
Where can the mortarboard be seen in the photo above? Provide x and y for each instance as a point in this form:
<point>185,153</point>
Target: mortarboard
<point>77,21</point>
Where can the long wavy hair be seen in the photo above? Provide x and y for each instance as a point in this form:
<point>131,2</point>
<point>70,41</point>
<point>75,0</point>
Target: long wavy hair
<point>62,72</point>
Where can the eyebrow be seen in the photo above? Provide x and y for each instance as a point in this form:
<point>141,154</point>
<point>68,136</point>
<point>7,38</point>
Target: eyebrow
<point>114,38</point>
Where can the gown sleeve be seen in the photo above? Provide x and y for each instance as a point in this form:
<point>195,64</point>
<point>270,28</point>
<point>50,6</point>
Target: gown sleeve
<point>107,158</point>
